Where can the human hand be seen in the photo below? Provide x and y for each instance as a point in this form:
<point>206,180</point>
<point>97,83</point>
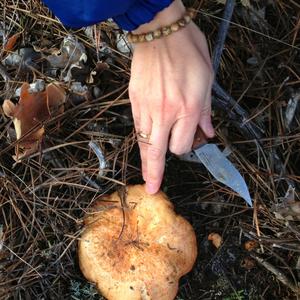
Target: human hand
<point>170,93</point>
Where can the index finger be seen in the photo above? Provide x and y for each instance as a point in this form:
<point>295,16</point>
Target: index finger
<point>157,148</point>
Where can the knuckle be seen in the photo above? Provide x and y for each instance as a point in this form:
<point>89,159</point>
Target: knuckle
<point>155,153</point>
<point>179,150</point>
<point>143,148</point>
<point>191,109</point>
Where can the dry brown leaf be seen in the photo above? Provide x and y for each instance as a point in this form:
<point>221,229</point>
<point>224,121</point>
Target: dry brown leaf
<point>30,113</point>
<point>216,239</point>
<point>251,245</point>
<point>10,44</point>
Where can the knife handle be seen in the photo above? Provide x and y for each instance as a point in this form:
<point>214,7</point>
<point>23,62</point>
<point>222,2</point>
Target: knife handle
<point>199,139</point>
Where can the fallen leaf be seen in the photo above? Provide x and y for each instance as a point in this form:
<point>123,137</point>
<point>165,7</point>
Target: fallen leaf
<point>71,52</point>
<point>29,114</point>
<point>37,86</point>
<point>79,93</point>
<point>11,42</point>
<point>22,58</point>
<point>216,239</point>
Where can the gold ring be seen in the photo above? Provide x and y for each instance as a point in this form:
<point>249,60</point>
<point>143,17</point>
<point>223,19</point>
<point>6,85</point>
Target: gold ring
<point>143,135</point>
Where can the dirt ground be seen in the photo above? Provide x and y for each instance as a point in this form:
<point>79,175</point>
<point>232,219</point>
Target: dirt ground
<point>44,197</point>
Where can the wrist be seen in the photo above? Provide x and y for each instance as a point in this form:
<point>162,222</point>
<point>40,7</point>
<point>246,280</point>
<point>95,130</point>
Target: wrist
<point>165,17</point>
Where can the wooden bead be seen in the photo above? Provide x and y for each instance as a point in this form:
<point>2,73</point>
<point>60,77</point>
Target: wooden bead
<point>149,37</point>
<point>181,23</point>
<point>157,33</point>
<point>166,31</point>
<point>134,38</point>
<point>141,38</point>
<point>175,27</point>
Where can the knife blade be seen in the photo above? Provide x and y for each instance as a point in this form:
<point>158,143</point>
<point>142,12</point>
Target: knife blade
<point>219,166</point>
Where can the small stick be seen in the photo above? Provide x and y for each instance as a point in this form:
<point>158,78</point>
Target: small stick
<point>222,34</point>
<point>279,275</point>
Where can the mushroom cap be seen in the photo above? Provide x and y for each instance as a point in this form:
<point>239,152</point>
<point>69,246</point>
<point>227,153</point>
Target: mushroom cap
<point>139,252</point>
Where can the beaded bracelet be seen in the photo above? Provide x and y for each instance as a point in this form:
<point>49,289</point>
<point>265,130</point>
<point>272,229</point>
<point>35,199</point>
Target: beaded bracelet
<point>164,31</point>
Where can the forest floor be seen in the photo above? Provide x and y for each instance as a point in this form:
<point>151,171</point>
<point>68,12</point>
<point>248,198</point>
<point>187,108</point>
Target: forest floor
<point>44,197</point>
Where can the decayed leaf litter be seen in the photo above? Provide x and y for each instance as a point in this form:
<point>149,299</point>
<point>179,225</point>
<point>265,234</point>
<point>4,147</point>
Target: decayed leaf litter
<point>38,103</point>
<point>268,192</point>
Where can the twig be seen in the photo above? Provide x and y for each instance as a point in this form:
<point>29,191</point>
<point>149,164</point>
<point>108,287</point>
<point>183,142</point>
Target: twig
<point>279,275</point>
<point>25,262</point>
<point>222,33</point>
<point>235,112</point>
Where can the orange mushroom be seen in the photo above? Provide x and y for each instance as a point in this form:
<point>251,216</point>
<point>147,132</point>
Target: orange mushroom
<point>139,251</point>
<point>216,239</point>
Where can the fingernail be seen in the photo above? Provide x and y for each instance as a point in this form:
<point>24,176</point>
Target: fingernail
<point>151,188</point>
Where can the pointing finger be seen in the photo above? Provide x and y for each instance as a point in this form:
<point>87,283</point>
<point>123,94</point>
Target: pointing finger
<point>156,153</point>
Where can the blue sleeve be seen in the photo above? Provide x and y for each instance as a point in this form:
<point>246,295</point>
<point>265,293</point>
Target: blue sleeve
<point>128,14</point>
